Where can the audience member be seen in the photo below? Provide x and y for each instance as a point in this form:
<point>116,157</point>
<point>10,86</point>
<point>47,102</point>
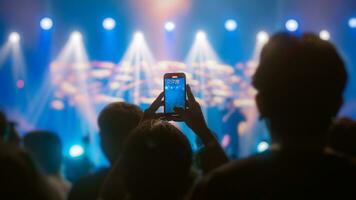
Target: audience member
<point>299,81</point>
<point>157,158</point>
<point>19,178</point>
<point>3,126</point>
<point>115,121</point>
<point>46,150</point>
<point>342,138</point>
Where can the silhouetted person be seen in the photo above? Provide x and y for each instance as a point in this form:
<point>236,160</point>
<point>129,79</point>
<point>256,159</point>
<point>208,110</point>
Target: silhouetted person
<point>46,150</point>
<point>232,117</point>
<point>299,82</point>
<point>157,158</point>
<point>342,138</point>
<point>19,178</point>
<point>115,121</point>
<point>156,162</point>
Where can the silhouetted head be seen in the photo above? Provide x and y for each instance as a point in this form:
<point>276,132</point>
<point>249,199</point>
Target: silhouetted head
<point>46,149</point>
<point>342,137</point>
<point>156,161</point>
<point>300,82</point>
<point>116,121</point>
<point>19,178</point>
<point>3,125</point>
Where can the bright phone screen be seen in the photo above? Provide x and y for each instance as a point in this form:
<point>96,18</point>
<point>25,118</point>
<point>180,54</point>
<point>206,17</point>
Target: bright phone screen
<point>174,93</point>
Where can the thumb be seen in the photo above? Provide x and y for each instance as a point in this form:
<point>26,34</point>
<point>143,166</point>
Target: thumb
<point>180,111</point>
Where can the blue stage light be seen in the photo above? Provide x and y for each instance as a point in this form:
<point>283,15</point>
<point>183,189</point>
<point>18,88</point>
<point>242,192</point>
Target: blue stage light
<point>76,151</point>
<point>169,26</point>
<point>352,22</point>
<point>109,23</point>
<point>262,146</point>
<point>292,25</point>
<point>230,25</point>
<point>46,23</point>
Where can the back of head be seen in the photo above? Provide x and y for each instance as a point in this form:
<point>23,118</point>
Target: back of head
<point>19,178</point>
<point>3,125</point>
<point>343,136</point>
<point>46,149</point>
<point>300,82</point>
<point>116,121</point>
<point>156,161</point>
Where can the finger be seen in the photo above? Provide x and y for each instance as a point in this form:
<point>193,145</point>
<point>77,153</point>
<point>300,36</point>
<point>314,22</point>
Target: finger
<point>180,112</point>
<point>172,118</point>
<point>157,102</point>
<point>190,95</point>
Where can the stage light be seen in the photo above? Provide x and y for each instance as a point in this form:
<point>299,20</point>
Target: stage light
<point>292,25</point>
<point>201,35</point>
<point>262,146</point>
<point>20,84</point>
<point>76,36</point>
<point>169,26</point>
<point>46,23</point>
<point>262,37</point>
<point>138,36</point>
<point>352,22</point>
<point>324,35</point>
<point>76,151</point>
<point>109,23</point>
<point>230,25</point>
<point>14,37</point>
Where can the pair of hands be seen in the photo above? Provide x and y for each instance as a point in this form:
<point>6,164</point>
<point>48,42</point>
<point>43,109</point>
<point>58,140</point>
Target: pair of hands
<point>192,116</point>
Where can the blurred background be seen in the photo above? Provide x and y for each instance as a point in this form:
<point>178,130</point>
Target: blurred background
<point>61,61</point>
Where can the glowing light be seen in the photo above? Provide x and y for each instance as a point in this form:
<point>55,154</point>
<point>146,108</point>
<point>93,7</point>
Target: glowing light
<point>169,26</point>
<point>14,37</point>
<point>138,36</point>
<point>76,151</point>
<point>109,23</point>
<point>76,36</point>
<point>262,37</point>
<point>262,146</point>
<point>57,105</point>
<point>292,25</point>
<point>324,35</point>
<point>20,84</point>
<point>352,22</point>
<point>46,23</point>
<point>201,35</point>
<point>230,25</point>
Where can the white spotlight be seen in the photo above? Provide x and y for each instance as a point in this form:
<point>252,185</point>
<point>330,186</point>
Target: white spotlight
<point>201,35</point>
<point>76,36</point>
<point>262,37</point>
<point>292,25</point>
<point>352,22</point>
<point>262,146</point>
<point>230,25</point>
<point>324,35</point>
<point>76,151</point>
<point>138,36</point>
<point>14,37</point>
<point>109,23</point>
<point>46,23</point>
<point>169,26</point>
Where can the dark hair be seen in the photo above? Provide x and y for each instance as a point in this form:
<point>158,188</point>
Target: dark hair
<point>19,178</point>
<point>46,149</point>
<point>343,136</point>
<point>156,161</point>
<point>116,121</point>
<point>300,79</point>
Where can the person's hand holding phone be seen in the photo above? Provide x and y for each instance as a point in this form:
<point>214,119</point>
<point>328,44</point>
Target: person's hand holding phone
<point>150,112</point>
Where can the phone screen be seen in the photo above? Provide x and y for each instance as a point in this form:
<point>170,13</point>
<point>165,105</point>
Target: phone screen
<point>174,93</point>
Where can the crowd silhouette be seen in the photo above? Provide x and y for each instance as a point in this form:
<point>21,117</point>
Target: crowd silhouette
<point>300,82</point>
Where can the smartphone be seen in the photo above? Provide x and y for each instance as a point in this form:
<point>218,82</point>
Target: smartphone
<point>174,92</point>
